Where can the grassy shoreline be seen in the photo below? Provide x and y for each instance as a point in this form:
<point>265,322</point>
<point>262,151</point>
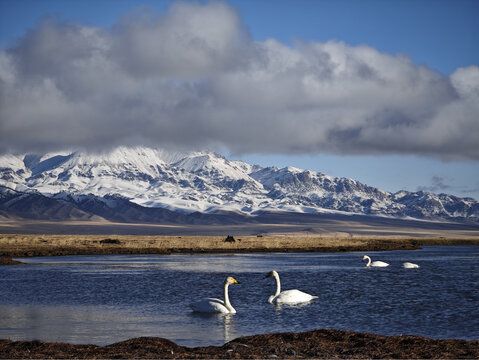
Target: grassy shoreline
<point>27,245</point>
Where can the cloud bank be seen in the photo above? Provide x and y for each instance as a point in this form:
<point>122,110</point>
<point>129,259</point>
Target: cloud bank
<point>194,78</point>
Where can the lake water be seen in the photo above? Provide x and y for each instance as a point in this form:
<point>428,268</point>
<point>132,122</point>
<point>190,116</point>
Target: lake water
<point>105,299</point>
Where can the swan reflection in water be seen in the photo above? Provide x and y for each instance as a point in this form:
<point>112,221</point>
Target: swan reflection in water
<point>280,306</point>
<point>226,320</point>
<point>228,327</point>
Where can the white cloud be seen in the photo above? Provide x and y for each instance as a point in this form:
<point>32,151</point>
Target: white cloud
<point>193,77</point>
<point>466,81</point>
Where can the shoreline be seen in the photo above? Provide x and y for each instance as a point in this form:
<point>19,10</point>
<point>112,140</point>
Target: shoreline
<point>325,343</point>
<point>27,245</point>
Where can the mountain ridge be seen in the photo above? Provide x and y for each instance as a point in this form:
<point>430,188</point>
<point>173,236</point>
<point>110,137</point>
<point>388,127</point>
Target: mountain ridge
<point>207,183</point>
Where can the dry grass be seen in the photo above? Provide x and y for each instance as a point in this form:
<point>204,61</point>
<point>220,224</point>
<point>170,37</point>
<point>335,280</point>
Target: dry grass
<point>41,245</point>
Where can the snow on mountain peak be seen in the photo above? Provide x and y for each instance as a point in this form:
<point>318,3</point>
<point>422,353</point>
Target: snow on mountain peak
<point>212,163</point>
<point>207,182</point>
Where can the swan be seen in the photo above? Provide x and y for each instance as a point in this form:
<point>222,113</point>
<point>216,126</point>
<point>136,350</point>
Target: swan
<point>374,263</point>
<point>213,305</point>
<point>287,296</point>
<point>408,265</point>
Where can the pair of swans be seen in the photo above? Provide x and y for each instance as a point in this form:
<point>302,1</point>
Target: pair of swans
<point>214,305</point>
<point>406,265</point>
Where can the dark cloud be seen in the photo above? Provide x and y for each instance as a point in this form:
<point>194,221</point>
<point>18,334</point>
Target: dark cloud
<point>438,185</point>
<point>193,77</point>
<point>471,190</point>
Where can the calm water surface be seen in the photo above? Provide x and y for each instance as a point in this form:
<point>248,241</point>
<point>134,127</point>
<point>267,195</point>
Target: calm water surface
<point>105,299</point>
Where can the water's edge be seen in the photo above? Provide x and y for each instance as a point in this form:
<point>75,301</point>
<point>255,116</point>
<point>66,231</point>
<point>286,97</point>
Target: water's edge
<point>326,343</point>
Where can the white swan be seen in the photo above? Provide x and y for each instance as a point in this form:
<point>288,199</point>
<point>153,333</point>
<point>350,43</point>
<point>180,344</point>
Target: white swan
<point>213,305</point>
<point>408,265</point>
<point>287,296</point>
<point>374,263</point>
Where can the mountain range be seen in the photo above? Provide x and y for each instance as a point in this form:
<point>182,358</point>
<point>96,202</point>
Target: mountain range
<point>140,184</point>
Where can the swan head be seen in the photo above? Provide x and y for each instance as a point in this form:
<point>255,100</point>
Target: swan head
<point>231,280</point>
<point>271,273</point>
<point>365,257</point>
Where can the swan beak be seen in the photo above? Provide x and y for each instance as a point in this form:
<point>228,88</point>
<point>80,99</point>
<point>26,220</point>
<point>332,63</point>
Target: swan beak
<point>236,281</point>
<point>268,275</point>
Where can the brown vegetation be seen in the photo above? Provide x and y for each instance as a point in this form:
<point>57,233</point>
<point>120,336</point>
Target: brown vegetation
<point>7,260</point>
<point>15,245</point>
<point>49,245</point>
<point>329,344</point>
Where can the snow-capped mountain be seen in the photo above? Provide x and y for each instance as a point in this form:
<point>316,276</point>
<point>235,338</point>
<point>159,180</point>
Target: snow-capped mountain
<point>206,183</point>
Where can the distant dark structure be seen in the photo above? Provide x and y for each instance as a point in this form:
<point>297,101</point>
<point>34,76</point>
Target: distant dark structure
<point>229,239</point>
<point>109,241</point>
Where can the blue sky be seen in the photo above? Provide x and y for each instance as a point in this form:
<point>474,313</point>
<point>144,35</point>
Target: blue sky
<point>441,36</point>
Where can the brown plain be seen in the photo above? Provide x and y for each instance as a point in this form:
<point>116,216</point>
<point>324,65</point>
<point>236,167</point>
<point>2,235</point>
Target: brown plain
<point>25,245</point>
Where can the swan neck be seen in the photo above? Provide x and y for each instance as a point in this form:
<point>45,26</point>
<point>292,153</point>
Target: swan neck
<point>278,285</point>
<point>369,261</point>
<point>227,299</point>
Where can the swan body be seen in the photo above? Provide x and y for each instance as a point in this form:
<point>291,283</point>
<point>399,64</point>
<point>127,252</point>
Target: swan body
<point>288,296</point>
<point>374,263</point>
<point>214,305</point>
<point>408,265</point>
